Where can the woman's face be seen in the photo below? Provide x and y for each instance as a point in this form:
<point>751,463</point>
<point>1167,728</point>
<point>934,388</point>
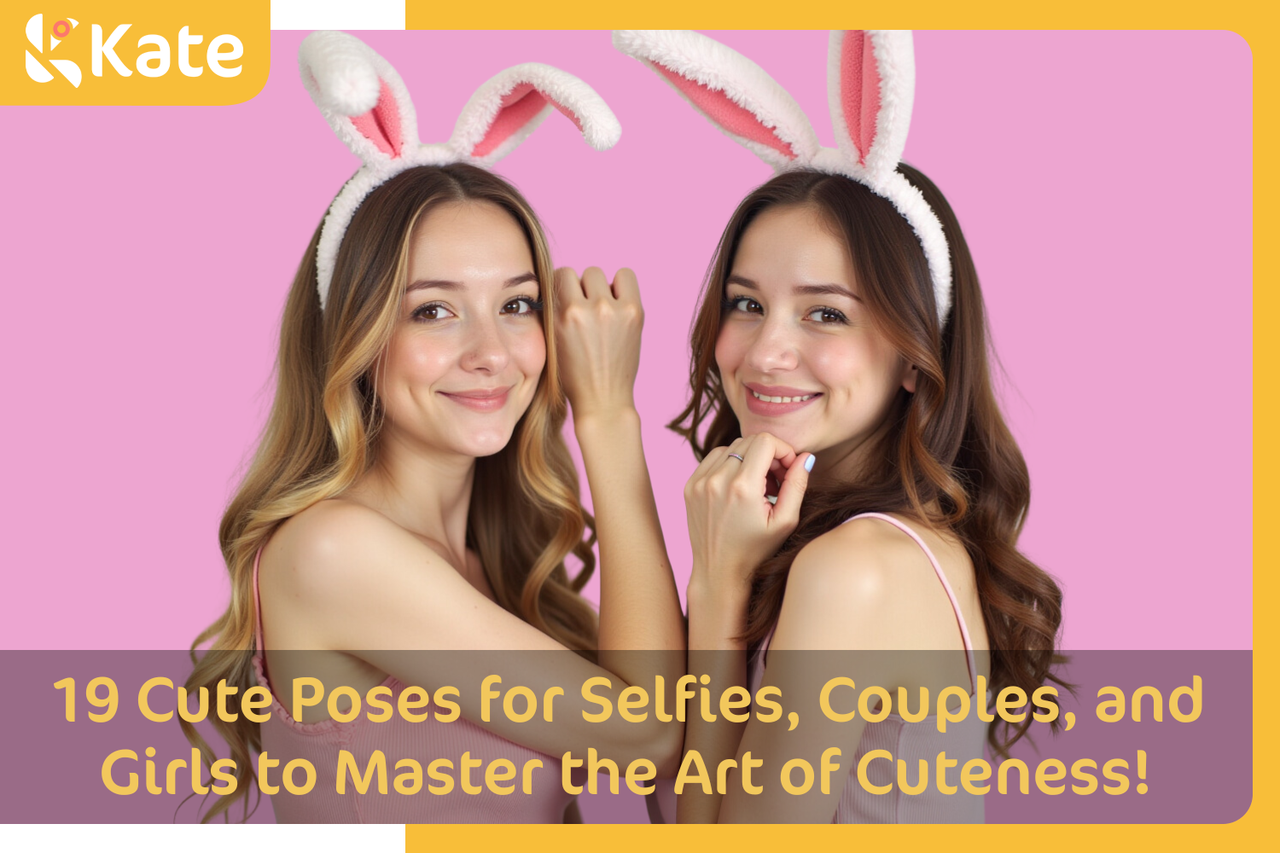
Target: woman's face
<point>798,353</point>
<point>468,347</point>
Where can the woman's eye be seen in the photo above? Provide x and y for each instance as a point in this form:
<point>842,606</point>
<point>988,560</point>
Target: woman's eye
<point>432,311</point>
<point>826,315</point>
<point>745,304</point>
<point>522,305</point>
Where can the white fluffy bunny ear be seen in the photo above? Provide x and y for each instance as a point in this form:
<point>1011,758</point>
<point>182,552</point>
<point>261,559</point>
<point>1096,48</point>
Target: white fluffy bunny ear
<point>871,84</point>
<point>510,105</point>
<point>871,80</point>
<point>361,96</point>
<point>729,89</point>
<point>366,103</point>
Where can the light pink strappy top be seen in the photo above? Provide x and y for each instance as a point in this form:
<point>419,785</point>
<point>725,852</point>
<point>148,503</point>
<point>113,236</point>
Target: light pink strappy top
<point>286,739</point>
<point>911,742</point>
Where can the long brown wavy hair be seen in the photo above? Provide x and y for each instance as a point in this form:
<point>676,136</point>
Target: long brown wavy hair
<point>525,515</point>
<point>947,459</point>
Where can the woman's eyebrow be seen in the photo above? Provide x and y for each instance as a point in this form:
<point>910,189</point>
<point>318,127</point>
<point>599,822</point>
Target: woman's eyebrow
<point>521,279</point>
<point>442,284</point>
<point>833,289</point>
<point>423,284</point>
<point>803,289</point>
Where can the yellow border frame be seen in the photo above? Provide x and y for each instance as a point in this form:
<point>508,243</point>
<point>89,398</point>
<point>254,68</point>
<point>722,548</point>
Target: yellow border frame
<point>1253,23</point>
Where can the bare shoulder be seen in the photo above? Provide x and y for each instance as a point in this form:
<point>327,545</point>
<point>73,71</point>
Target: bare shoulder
<point>837,585</point>
<point>331,527</point>
<point>339,553</point>
<point>855,586</point>
<point>343,576</point>
<point>318,545</point>
<point>858,557</point>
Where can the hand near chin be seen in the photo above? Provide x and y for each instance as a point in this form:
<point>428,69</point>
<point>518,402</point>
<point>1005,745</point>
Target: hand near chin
<point>598,337</point>
<point>733,527</point>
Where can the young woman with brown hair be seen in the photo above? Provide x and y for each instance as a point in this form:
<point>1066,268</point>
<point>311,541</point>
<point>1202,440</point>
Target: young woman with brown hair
<point>858,491</point>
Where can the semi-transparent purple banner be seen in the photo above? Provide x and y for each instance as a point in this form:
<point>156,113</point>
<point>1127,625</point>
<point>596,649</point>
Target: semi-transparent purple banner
<point>1142,737</point>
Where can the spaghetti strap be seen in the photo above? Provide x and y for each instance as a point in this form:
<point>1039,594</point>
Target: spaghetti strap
<point>970,661</point>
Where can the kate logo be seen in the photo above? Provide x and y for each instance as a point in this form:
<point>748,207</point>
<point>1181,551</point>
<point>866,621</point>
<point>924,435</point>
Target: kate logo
<point>123,52</point>
<point>35,34</point>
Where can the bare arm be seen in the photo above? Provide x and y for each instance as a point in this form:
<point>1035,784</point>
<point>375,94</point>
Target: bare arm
<point>832,597</point>
<point>364,586</point>
<point>639,604</point>
<point>716,620</point>
<point>732,529</point>
<point>598,332</point>
<point>857,598</point>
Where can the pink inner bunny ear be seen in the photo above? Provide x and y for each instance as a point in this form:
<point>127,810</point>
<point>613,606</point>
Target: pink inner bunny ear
<point>381,125</point>
<point>519,107</point>
<point>718,107</point>
<point>859,89</point>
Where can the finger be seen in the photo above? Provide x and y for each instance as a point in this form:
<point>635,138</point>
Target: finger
<point>715,456</point>
<point>567,286</point>
<point>625,286</point>
<point>734,456</point>
<point>791,495</point>
<point>777,473</point>
<point>783,453</point>
<point>758,457</point>
<point>595,285</point>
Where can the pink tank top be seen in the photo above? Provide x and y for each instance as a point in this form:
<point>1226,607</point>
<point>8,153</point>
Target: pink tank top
<point>319,743</point>
<point>911,742</point>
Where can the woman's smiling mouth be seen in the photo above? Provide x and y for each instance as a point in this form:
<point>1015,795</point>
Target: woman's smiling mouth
<point>481,399</point>
<point>770,400</point>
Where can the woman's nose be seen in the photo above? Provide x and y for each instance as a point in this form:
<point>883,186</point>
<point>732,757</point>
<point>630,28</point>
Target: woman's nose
<point>774,348</point>
<point>486,350</point>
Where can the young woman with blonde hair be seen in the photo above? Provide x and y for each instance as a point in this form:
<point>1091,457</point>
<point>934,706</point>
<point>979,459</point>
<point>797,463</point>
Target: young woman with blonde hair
<point>410,510</point>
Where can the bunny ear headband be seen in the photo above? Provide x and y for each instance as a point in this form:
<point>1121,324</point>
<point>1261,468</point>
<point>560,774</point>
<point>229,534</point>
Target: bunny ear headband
<point>367,105</point>
<point>870,85</point>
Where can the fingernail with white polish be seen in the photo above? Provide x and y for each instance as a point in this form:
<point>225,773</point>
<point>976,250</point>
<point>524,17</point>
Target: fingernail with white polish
<point>808,463</point>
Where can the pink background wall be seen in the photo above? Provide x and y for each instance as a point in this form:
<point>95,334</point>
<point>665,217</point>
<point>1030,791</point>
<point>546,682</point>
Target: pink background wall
<point>1103,181</point>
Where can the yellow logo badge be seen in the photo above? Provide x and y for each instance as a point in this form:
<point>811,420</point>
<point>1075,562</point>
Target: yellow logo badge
<point>134,52</point>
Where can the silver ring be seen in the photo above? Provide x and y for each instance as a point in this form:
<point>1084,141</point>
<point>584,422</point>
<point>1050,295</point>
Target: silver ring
<point>736,456</point>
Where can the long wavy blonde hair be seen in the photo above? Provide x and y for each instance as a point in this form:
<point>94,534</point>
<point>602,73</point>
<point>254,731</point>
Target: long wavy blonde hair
<point>525,515</point>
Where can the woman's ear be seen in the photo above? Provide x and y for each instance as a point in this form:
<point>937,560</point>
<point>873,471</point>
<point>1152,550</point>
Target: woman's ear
<point>909,378</point>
